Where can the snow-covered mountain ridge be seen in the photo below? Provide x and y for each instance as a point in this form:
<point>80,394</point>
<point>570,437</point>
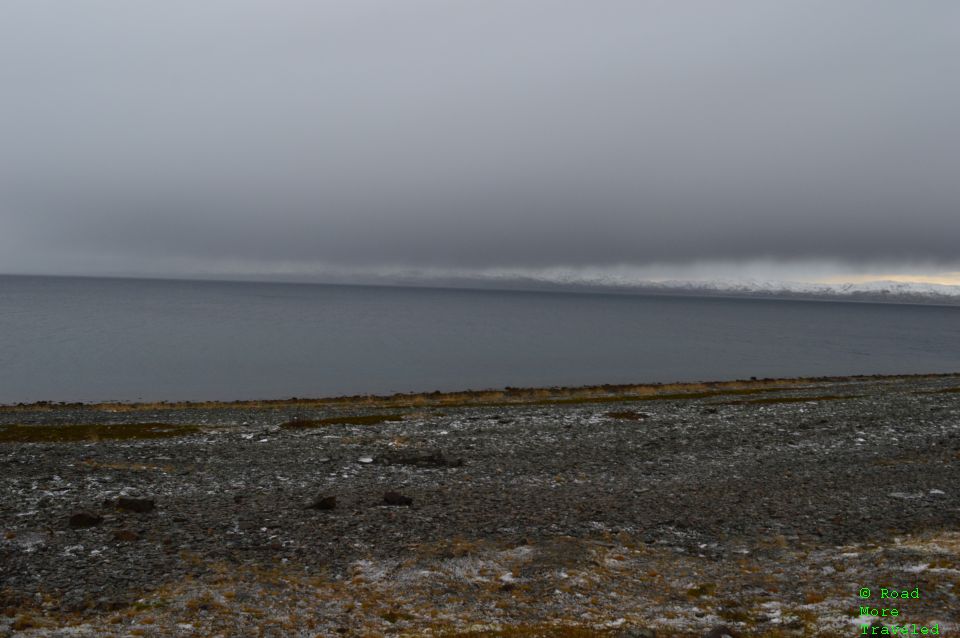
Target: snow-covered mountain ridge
<point>873,291</point>
<point>871,287</point>
<point>890,291</point>
<point>626,281</point>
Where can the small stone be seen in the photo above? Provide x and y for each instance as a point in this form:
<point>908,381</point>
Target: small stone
<point>138,505</point>
<point>85,519</point>
<point>396,498</point>
<point>365,459</point>
<point>323,503</point>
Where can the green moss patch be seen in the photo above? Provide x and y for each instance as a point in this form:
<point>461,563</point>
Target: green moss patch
<point>365,419</point>
<point>18,433</point>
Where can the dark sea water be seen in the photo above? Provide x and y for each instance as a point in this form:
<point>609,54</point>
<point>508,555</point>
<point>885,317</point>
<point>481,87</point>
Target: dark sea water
<point>72,339</point>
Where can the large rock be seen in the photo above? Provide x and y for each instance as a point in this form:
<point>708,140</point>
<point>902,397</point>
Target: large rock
<point>396,498</point>
<point>323,503</point>
<point>85,519</point>
<point>138,505</point>
<point>125,535</point>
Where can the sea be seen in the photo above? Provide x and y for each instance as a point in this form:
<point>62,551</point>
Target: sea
<point>89,339</point>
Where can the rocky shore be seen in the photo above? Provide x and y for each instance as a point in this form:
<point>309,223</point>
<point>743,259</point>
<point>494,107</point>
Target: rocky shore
<point>751,508</point>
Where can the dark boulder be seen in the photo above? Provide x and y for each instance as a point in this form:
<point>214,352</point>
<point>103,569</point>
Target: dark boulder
<point>85,519</point>
<point>138,505</point>
<point>323,503</point>
<point>125,535</point>
<point>396,498</point>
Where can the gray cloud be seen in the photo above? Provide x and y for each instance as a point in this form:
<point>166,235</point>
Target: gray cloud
<point>433,134</point>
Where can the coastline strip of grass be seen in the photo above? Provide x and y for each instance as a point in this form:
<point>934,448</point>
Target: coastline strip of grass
<point>19,433</point>
<point>497,398</point>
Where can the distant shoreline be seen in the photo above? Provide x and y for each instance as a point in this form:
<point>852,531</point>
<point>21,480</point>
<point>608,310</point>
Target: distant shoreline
<point>498,397</point>
<point>694,290</point>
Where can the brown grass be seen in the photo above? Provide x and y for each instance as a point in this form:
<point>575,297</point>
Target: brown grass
<point>495,398</point>
<point>17,433</point>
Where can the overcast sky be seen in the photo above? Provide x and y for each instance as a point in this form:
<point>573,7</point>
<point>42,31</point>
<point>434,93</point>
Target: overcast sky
<point>215,136</point>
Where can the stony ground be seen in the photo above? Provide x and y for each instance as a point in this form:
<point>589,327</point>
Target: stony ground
<point>761,507</point>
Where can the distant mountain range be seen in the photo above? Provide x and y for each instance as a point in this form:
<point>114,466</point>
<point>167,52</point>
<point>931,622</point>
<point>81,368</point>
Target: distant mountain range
<point>573,281</point>
<point>874,291</point>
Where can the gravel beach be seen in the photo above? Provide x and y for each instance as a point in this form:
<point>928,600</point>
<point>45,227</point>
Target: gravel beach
<point>759,506</point>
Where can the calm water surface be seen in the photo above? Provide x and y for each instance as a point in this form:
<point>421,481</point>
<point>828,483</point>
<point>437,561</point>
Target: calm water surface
<point>66,339</point>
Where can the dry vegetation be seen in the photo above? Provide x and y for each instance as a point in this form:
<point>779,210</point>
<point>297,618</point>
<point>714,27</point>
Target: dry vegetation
<point>493,398</point>
<point>601,586</point>
<point>18,433</point>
